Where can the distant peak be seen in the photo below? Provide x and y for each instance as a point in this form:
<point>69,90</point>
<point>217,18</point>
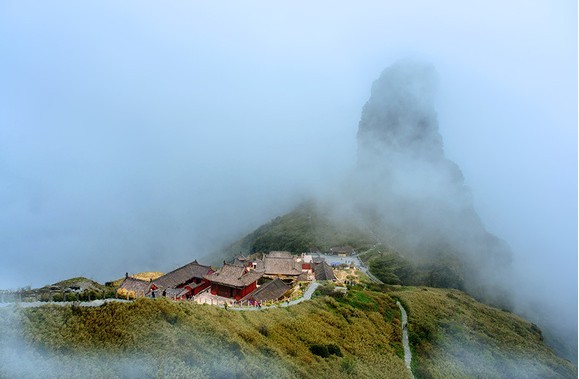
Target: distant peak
<point>399,117</point>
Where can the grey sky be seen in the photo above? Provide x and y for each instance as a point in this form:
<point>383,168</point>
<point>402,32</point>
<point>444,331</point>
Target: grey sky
<point>141,135</point>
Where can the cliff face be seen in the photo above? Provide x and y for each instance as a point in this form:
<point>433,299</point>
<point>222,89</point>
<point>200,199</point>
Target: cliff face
<point>416,194</point>
<point>399,117</point>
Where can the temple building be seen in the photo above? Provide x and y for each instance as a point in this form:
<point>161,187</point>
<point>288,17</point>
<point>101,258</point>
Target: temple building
<point>234,281</point>
<point>182,283</point>
<point>282,265</point>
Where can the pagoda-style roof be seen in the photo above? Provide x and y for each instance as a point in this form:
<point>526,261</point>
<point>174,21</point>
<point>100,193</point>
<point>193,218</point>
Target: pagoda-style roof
<point>182,275</point>
<point>272,290</point>
<point>254,263</point>
<point>282,263</point>
<point>176,292</point>
<point>323,271</point>
<point>234,276</point>
<point>134,284</point>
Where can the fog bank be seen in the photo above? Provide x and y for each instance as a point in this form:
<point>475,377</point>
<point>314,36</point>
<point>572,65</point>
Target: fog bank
<point>138,136</point>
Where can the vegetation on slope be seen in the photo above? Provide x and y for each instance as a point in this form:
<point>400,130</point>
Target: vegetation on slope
<point>361,334</point>
<point>298,231</point>
<point>310,226</point>
<point>334,335</point>
<point>73,289</point>
<point>79,282</point>
<point>392,268</point>
<point>454,336</point>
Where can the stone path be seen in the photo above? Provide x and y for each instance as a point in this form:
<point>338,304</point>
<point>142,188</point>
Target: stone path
<point>366,271</point>
<point>407,352</point>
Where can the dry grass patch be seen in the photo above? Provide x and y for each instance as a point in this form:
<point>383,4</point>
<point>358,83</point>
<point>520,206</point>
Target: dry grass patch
<point>201,340</point>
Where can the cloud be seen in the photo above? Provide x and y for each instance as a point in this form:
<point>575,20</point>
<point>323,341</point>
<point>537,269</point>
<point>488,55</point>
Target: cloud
<point>138,136</point>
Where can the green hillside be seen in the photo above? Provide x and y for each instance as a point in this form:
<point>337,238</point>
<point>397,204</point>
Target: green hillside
<point>79,282</point>
<point>358,335</point>
<point>454,336</point>
<point>188,340</point>
<point>308,226</point>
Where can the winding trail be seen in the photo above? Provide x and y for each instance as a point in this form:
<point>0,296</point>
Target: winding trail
<point>366,271</point>
<point>407,352</point>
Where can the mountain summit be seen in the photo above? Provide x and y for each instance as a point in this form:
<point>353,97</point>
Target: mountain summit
<point>403,198</point>
<point>414,193</point>
<point>399,117</point>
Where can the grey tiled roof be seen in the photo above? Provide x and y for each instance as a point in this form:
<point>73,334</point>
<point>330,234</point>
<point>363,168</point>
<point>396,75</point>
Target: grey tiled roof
<point>255,263</point>
<point>241,261</point>
<point>176,292</point>
<point>134,284</point>
<point>234,276</point>
<point>277,264</point>
<point>269,291</point>
<point>323,271</point>
<point>182,275</point>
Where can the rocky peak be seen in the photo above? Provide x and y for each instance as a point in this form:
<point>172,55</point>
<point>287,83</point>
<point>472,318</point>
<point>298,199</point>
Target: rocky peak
<point>399,118</point>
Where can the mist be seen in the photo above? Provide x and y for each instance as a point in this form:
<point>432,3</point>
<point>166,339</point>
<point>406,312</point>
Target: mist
<point>406,192</point>
<point>22,359</point>
<point>140,136</point>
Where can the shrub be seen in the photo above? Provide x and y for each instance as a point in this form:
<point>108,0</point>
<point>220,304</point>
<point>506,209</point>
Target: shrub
<point>325,290</point>
<point>320,350</point>
<point>348,365</point>
<point>334,349</point>
<point>263,330</point>
<point>171,318</point>
<point>391,268</point>
<point>325,351</point>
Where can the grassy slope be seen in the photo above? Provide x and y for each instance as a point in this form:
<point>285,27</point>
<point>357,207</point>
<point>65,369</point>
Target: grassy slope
<point>189,340</point>
<point>454,336</point>
<point>79,281</point>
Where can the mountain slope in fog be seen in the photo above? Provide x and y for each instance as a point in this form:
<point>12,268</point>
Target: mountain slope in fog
<point>406,203</point>
<point>311,226</point>
<point>404,178</point>
<point>404,195</point>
